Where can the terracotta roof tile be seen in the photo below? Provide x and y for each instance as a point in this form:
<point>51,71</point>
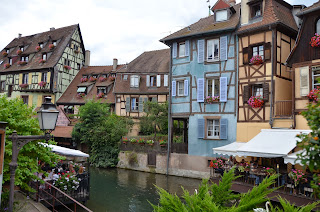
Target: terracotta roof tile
<point>63,131</point>
<point>314,7</point>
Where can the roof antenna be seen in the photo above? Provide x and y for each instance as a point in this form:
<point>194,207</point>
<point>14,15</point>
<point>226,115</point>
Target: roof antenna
<point>208,1</point>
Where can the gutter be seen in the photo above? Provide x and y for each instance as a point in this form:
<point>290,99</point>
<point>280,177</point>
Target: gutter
<point>272,72</point>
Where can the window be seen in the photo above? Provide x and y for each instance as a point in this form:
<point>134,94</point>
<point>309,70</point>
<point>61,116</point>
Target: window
<point>65,61</point>
<point>315,78</point>
<point>25,99</point>
<point>257,90</point>
<point>22,48</point>
<point>24,78</point>
<point>221,15</point>
<point>182,49</point>
<point>44,76</point>
<point>10,61</point>
<point>82,90</point>
<point>1,61</point>
<point>44,56</point>
<point>118,99</point>
<point>41,45</point>
<point>213,128</point>
<point>8,51</point>
<point>153,81</point>
<point>134,104</point>
<point>69,62</point>
<point>213,50</point>
<point>78,66</point>
<point>54,43</point>
<point>261,90</point>
<point>213,87</point>
<point>2,86</point>
<point>180,88</point>
<point>101,90</point>
<point>261,49</point>
<point>256,10</point>
<point>25,58</point>
<point>134,81</point>
<point>125,77</point>
<point>258,50</point>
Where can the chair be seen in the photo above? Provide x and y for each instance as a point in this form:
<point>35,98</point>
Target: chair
<point>307,191</point>
<point>289,186</point>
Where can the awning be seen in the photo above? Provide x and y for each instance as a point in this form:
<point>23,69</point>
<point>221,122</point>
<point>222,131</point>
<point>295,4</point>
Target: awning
<point>230,149</point>
<point>271,143</point>
<point>81,89</point>
<point>292,158</point>
<point>66,151</point>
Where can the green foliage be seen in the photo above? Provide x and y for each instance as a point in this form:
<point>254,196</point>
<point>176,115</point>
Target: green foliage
<point>101,131</point>
<point>216,197</point>
<point>286,206</point>
<point>23,119</point>
<point>156,119</point>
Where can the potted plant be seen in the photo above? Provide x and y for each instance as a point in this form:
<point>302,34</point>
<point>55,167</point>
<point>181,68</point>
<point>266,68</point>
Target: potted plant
<point>125,140</point>
<point>255,102</point>
<point>313,94</point>
<point>163,142</point>
<point>92,79</point>
<point>100,95</point>
<point>141,141</point>
<point>269,171</point>
<point>216,163</point>
<point>4,54</point>
<point>42,61</point>
<point>22,63</point>
<point>66,67</point>
<point>133,140</point>
<point>51,46</point>
<point>67,182</point>
<point>7,65</point>
<point>81,95</point>
<point>84,79</point>
<point>150,142</point>
<point>38,48</point>
<point>212,99</point>
<point>256,60</point>
<point>102,79</point>
<point>297,176</point>
<point>315,40</point>
<point>23,85</point>
<point>42,84</point>
<point>19,52</point>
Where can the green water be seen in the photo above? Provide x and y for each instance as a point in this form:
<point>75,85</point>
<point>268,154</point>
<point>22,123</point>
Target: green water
<point>118,190</point>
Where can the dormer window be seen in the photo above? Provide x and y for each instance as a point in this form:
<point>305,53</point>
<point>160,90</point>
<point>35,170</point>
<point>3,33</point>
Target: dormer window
<point>134,81</point>
<point>221,15</point>
<point>54,43</point>
<point>8,51</point>
<point>82,90</point>
<point>10,61</point>
<point>256,10</point>
<point>44,57</point>
<point>22,48</point>
<point>101,90</point>
<point>41,45</point>
<point>25,58</point>
<point>182,49</point>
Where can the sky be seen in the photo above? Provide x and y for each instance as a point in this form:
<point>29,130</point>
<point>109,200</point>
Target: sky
<point>121,29</point>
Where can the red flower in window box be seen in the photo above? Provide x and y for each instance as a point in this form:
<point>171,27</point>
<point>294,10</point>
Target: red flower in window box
<point>92,79</point>
<point>315,40</point>
<point>4,54</point>
<point>7,65</point>
<point>256,60</point>
<point>81,95</point>
<point>42,61</point>
<point>102,79</point>
<point>112,78</point>
<point>23,85</point>
<point>38,48</point>
<point>255,102</point>
<point>67,67</point>
<point>19,52</point>
<point>212,99</point>
<point>314,94</point>
<point>22,63</point>
<point>125,140</point>
<point>84,79</point>
<point>100,95</point>
<point>51,46</point>
<point>42,84</point>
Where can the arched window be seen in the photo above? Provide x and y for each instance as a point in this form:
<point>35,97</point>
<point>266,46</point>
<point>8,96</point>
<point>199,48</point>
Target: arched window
<point>318,26</point>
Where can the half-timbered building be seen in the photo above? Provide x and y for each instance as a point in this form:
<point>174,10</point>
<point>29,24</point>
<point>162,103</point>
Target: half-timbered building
<point>40,65</point>
<point>143,79</point>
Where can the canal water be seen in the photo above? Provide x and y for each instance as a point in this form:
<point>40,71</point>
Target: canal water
<point>118,190</point>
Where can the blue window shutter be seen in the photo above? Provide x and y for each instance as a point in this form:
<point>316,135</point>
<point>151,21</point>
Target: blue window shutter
<point>200,91</point>
<point>174,49</point>
<point>186,87</point>
<point>200,51</point>
<point>187,48</point>
<point>223,128</point>
<point>140,104</point>
<point>128,104</point>
<point>201,128</point>
<point>224,48</point>
<point>148,81</point>
<point>223,89</point>
<point>173,88</point>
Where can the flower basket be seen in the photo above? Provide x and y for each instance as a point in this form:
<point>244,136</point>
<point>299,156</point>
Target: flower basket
<point>163,142</point>
<point>67,67</point>
<point>19,52</point>
<point>216,163</point>
<point>42,61</point>
<point>102,79</point>
<point>141,141</point>
<point>42,84</point>
<point>23,85</point>
<point>133,140</point>
<point>112,78</point>
<point>212,99</point>
<point>81,95</point>
<point>297,176</point>
<point>269,171</point>
<point>255,102</point>
<point>256,60</point>
<point>7,65</point>
<point>315,40</point>
<point>84,79</point>
<point>314,94</point>
<point>76,51</point>
<point>4,54</point>
<point>100,95</point>
<point>51,46</point>
<point>150,142</point>
<point>38,48</point>
<point>92,79</point>
<point>125,140</point>
<point>22,63</point>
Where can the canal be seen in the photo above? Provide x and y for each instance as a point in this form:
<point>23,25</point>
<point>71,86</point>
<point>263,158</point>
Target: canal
<point>118,190</point>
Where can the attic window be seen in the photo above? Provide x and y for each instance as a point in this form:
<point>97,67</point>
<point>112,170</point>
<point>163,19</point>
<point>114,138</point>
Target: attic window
<point>256,10</point>
<point>10,61</point>
<point>81,89</point>
<point>221,15</point>
<point>22,48</point>
<point>41,45</point>
<point>44,56</point>
<point>1,61</point>
<point>54,43</point>
<point>125,77</point>
<point>8,51</point>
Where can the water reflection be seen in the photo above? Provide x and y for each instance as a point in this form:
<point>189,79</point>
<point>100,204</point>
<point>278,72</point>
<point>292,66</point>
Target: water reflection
<point>126,190</point>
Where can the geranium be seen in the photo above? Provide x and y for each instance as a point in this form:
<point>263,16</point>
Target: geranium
<point>315,40</point>
<point>92,79</point>
<point>38,48</point>
<point>141,141</point>
<point>112,78</point>
<point>125,140</point>
<point>19,51</point>
<point>66,67</point>
<point>102,79</point>
<point>4,54</point>
<point>42,61</point>
<point>100,95</point>
<point>255,101</point>
<point>133,140</point>
<point>67,183</point>
<point>211,99</point>
<point>314,94</point>
<point>297,176</point>
<point>84,79</point>
<point>150,142</point>
<point>162,142</point>
<point>7,65</point>
<point>42,84</point>
<point>256,60</point>
<point>23,85</point>
<point>81,95</point>
<point>51,46</point>
<point>216,163</point>
<point>22,62</point>
<point>269,171</point>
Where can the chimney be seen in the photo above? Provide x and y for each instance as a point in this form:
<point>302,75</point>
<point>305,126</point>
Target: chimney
<point>19,35</point>
<point>87,58</point>
<point>232,2</point>
<point>52,28</point>
<point>115,64</point>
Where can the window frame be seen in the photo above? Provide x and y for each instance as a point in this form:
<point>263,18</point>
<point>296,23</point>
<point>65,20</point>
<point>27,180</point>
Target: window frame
<point>2,86</point>
<point>314,85</point>
<point>258,50</point>
<point>103,88</point>
<point>44,76</point>
<point>179,49</point>
<point>180,82</point>
<point>317,26</point>
<point>25,99</point>
<point>41,45</point>
<point>25,78</point>
<point>252,15</point>
<point>10,61</point>
<point>206,120</point>
<point>254,92</point>
<point>153,80</point>
<point>135,79</point>
<point>223,10</point>
<point>213,84</point>
<point>134,108</point>
<point>44,56</point>
<point>207,50</point>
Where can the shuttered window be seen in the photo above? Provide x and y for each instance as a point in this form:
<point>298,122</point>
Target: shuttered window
<point>201,128</point>
<point>174,50</point>
<point>304,81</point>
<point>224,48</point>
<point>213,87</point>
<point>182,49</point>
<point>315,77</point>
<point>200,51</point>
<point>158,80</point>
<point>128,104</point>
<point>213,50</point>
<point>213,128</point>
<point>245,55</point>
<point>173,88</point>
<point>200,90</point>
<point>180,88</point>
<point>134,104</point>
<point>186,87</point>
<point>261,90</point>
<point>165,80</point>
<point>134,81</point>
<point>223,89</point>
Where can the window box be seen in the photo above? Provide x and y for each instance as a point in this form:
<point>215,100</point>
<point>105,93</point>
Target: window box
<point>315,40</point>
<point>92,79</point>
<point>102,79</point>
<point>314,94</point>
<point>163,142</point>
<point>42,61</point>
<point>100,95</point>
<point>38,48</point>
<point>125,140</point>
<point>66,67</point>
<point>24,85</point>
<point>42,84</point>
<point>255,102</point>
<point>84,79</point>
<point>81,95</point>
<point>19,52</point>
<point>51,46</point>
<point>112,78</point>
<point>141,141</point>
<point>22,63</point>
<point>4,54</point>
<point>7,65</point>
<point>256,60</point>
<point>212,99</point>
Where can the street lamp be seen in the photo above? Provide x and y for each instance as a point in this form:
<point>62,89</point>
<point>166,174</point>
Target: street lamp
<point>47,115</point>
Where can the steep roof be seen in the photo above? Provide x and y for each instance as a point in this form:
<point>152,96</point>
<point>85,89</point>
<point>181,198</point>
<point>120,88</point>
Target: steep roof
<point>207,26</point>
<point>314,7</point>
<point>221,4</point>
<point>275,12</point>
<point>70,95</point>
<point>61,35</point>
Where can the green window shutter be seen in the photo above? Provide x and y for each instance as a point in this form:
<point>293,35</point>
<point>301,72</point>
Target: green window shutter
<point>140,104</point>
<point>128,104</point>
<point>223,128</point>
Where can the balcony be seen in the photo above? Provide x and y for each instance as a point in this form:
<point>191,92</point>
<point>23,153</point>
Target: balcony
<point>34,87</point>
<point>283,109</point>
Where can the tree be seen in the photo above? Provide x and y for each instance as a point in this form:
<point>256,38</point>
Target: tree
<point>23,119</point>
<point>156,116</point>
<point>101,131</point>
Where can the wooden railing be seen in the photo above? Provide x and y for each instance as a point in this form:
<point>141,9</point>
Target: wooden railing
<point>283,108</point>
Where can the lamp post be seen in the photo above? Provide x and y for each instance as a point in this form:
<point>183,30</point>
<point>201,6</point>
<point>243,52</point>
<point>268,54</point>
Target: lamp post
<point>278,175</point>
<point>47,115</point>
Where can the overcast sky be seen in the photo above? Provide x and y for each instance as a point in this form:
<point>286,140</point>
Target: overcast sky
<point>110,29</point>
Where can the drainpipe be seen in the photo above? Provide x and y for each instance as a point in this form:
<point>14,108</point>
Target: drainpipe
<point>274,44</point>
<point>169,112</point>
